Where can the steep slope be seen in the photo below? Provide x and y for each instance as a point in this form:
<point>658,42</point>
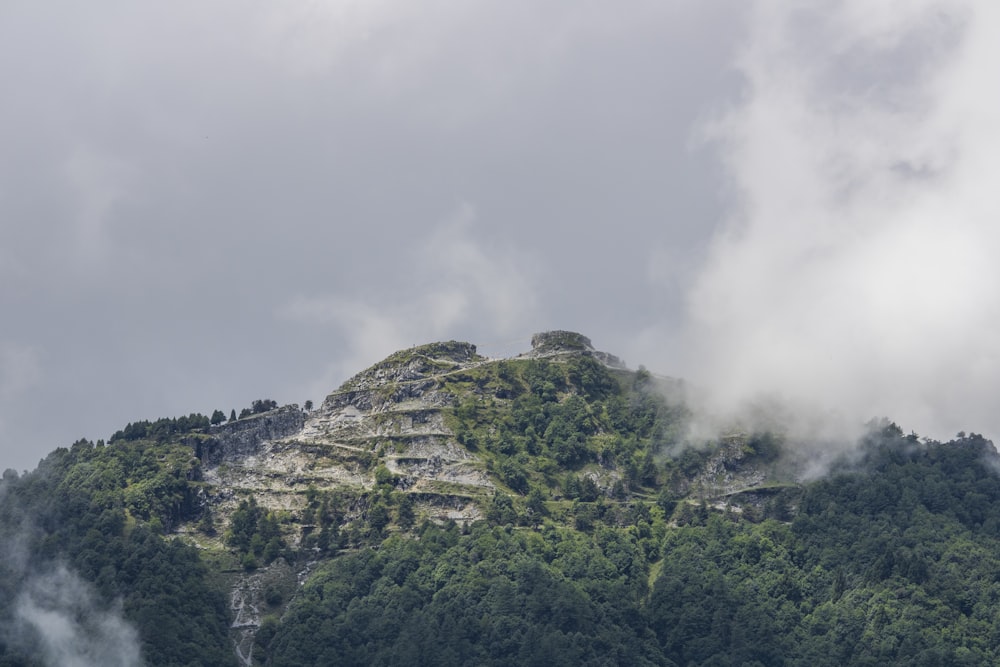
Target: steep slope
<point>391,416</point>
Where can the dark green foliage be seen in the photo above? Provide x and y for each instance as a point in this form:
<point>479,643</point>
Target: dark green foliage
<point>321,520</point>
<point>259,406</point>
<point>405,515</point>
<point>254,533</point>
<point>79,508</point>
<point>263,405</point>
<point>384,479</point>
<point>765,447</point>
<point>875,569</point>
<point>566,414</point>
<point>378,515</point>
<point>162,430</point>
<point>514,476</point>
<point>592,379</point>
<point>501,510</point>
<point>488,598</point>
<point>536,504</point>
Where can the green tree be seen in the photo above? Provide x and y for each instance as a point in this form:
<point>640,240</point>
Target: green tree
<point>405,515</point>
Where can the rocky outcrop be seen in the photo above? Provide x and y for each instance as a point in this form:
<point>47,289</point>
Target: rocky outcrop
<point>729,469</point>
<point>560,341</point>
<point>392,414</point>
<point>548,343</point>
<point>414,364</point>
<point>243,438</point>
<point>610,360</point>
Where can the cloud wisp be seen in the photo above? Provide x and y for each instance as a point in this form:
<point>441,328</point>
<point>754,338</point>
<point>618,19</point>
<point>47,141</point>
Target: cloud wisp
<point>453,282</point>
<point>56,617</point>
<point>59,614</point>
<point>857,269</point>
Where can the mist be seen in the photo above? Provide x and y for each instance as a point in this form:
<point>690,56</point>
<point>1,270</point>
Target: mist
<point>55,616</point>
<point>60,620</point>
<point>855,274</point>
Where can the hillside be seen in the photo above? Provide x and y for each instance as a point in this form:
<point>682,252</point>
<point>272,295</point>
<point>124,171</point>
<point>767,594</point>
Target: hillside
<point>445,508</point>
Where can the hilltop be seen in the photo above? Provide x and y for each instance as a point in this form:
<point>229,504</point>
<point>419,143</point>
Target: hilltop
<point>450,429</point>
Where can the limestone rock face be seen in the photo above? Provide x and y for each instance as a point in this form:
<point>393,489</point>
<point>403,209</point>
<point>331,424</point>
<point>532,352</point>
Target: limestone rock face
<point>393,414</point>
<point>397,407</point>
<point>414,364</point>
<point>548,343</point>
<point>560,341</point>
<point>237,440</point>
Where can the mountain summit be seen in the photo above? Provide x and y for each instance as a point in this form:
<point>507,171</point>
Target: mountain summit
<point>426,416</point>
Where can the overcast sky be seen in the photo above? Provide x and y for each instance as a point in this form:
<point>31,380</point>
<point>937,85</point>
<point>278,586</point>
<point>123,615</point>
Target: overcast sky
<point>202,204</point>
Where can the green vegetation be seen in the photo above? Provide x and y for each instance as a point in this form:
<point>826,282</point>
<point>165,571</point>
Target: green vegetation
<point>259,406</point>
<point>532,420</point>
<point>491,597</point>
<point>162,430</point>
<point>254,533</point>
<point>101,509</point>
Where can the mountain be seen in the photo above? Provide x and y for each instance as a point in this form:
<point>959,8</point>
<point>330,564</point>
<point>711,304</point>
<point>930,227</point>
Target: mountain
<point>445,508</point>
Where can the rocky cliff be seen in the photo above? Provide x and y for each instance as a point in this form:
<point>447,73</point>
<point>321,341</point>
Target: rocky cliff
<point>243,438</point>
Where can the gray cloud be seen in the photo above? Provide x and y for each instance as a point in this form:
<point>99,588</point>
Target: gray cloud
<point>857,270</point>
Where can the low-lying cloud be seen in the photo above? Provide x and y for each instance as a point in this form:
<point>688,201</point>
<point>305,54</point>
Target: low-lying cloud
<point>60,621</point>
<point>52,615</point>
<point>858,269</point>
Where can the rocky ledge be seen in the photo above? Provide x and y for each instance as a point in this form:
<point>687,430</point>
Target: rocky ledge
<point>548,343</point>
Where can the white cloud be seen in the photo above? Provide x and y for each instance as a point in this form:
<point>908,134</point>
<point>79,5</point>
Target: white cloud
<point>858,269</point>
<point>67,628</point>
